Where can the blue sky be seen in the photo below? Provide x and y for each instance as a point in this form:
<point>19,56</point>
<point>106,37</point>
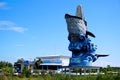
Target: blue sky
<point>32,28</point>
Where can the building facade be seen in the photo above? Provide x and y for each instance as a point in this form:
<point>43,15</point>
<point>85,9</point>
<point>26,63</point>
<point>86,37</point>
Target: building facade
<point>53,62</point>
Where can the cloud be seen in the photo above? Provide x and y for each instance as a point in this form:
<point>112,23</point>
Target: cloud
<point>20,45</point>
<point>3,5</point>
<point>8,25</point>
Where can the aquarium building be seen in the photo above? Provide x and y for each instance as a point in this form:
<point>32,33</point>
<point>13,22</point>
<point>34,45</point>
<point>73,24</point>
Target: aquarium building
<point>53,62</point>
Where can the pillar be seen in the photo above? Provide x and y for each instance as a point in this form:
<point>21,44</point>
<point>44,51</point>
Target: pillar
<point>47,67</point>
<point>84,71</point>
<point>42,67</point>
<point>98,70</point>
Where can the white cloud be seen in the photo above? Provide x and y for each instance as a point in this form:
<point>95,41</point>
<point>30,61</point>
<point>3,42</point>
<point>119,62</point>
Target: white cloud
<point>8,25</point>
<point>3,5</point>
<point>20,45</point>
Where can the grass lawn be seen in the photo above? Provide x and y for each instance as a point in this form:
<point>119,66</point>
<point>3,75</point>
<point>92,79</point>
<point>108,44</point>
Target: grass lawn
<point>63,77</point>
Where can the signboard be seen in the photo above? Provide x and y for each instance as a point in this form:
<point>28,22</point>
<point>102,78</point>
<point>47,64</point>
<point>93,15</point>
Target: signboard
<point>52,61</point>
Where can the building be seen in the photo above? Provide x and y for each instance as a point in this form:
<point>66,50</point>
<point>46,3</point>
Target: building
<point>61,63</point>
<point>27,65</point>
<point>22,65</point>
<point>53,62</point>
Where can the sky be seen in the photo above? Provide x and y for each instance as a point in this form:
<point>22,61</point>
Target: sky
<point>35,28</point>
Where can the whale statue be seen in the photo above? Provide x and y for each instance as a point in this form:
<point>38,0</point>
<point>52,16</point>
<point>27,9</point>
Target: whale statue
<point>83,50</point>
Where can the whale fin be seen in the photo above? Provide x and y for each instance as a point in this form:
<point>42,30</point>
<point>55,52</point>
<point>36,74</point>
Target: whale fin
<point>90,34</point>
<point>102,55</point>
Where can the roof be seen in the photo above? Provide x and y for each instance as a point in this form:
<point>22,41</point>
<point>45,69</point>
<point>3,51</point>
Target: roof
<point>27,62</point>
<point>53,64</point>
<point>87,67</point>
<point>53,56</point>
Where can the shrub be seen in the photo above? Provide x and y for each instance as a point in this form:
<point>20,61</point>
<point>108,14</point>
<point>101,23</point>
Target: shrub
<point>99,77</point>
<point>43,72</point>
<point>26,73</point>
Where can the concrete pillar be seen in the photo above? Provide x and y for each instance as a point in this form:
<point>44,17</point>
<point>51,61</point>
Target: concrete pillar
<point>32,68</point>
<point>47,67</point>
<point>62,70</point>
<point>57,68</point>
<point>69,71</point>
<point>80,73</point>
<point>89,71</point>
<point>21,67</point>
<point>98,70</point>
<point>84,71</point>
<point>42,67</point>
<point>65,70</point>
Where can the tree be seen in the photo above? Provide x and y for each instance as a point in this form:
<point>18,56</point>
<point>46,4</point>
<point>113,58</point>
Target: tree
<point>37,63</point>
<point>26,73</point>
<point>6,67</point>
<point>109,68</point>
<point>104,70</point>
<point>5,64</point>
<point>17,65</point>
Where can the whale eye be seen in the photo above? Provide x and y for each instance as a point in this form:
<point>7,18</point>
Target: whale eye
<point>81,37</point>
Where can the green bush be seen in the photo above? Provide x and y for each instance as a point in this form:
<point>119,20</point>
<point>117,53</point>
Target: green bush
<point>43,72</point>
<point>99,77</point>
<point>64,77</point>
<point>26,73</point>
<point>117,77</point>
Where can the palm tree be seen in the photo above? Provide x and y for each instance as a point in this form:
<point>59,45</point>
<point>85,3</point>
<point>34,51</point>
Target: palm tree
<point>37,63</point>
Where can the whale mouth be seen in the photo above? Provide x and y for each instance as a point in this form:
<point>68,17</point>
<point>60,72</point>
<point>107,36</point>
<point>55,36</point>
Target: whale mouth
<point>71,16</point>
<point>75,25</point>
<point>68,16</point>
